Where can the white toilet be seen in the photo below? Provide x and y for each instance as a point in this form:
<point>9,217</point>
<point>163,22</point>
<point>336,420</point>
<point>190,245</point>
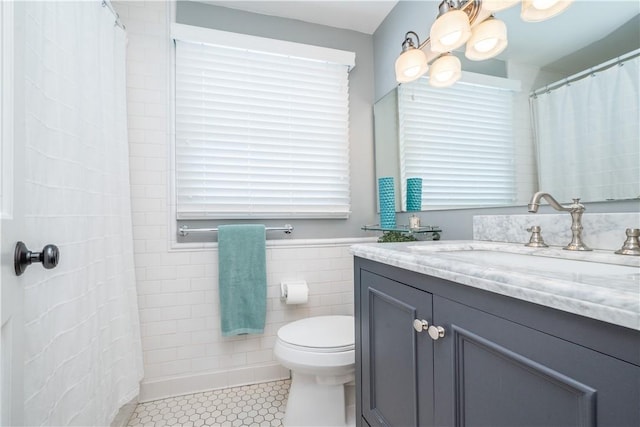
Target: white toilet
<point>320,353</point>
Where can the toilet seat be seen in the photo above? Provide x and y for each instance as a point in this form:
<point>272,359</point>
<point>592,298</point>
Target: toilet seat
<point>321,334</point>
<point>322,345</point>
<point>316,349</point>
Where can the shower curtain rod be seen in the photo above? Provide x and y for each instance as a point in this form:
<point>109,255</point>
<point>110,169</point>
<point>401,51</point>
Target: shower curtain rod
<point>108,5</point>
<point>184,230</point>
<point>620,60</point>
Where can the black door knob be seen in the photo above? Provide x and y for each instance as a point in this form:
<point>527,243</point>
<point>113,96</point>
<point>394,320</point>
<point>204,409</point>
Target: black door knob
<point>23,257</point>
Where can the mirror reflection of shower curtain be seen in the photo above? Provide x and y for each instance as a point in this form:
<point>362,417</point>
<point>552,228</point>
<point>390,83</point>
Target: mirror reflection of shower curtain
<point>83,357</point>
<point>587,136</point>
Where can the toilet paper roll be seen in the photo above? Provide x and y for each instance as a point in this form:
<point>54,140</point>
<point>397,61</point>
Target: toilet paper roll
<point>294,292</point>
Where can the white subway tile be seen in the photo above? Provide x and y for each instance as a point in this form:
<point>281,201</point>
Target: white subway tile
<point>154,218</point>
<point>202,310</point>
<point>261,356</point>
<point>205,364</point>
<point>194,324</point>
<point>203,284</point>
<point>148,287</point>
<point>176,285</point>
<point>163,327</point>
<point>176,313</point>
<point>162,355</point>
<point>191,352</point>
<point>204,337</point>
<point>175,367</point>
<point>155,245</point>
<point>150,315</point>
<point>248,344</point>
<point>165,341</point>
<point>157,137</point>
<point>191,271</point>
<point>141,147</point>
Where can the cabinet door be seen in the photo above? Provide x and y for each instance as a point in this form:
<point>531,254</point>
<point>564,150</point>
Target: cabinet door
<point>490,371</point>
<point>397,361</point>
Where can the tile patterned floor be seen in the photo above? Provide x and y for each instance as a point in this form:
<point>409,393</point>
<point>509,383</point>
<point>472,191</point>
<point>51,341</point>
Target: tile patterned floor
<point>252,405</point>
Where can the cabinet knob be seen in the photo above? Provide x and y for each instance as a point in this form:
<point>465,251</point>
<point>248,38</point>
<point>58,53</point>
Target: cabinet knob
<point>420,325</point>
<point>435,332</point>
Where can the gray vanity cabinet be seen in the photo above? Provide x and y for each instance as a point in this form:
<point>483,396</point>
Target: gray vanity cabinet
<point>501,361</point>
<point>399,362</point>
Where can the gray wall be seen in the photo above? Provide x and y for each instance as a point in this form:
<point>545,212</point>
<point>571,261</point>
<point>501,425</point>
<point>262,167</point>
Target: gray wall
<point>360,104</point>
<point>622,40</point>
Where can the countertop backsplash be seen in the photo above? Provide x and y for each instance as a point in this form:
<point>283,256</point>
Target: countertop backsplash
<point>604,231</point>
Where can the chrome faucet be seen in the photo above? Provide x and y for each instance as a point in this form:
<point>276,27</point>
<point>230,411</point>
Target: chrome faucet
<point>576,209</point>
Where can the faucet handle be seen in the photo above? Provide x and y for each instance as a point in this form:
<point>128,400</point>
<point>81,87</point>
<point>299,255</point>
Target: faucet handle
<point>631,245</point>
<point>536,240</point>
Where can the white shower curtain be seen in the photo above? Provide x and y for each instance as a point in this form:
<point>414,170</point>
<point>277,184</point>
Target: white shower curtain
<point>587,135</point>
<point>83,356</point>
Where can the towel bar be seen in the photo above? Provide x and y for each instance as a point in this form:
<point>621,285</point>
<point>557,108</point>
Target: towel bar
<point>185,230</point>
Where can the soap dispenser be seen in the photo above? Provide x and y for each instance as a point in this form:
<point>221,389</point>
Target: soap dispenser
<point>414,222</point>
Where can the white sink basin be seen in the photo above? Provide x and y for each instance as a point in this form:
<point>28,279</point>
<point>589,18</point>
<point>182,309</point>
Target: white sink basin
<point>555,266</point>
<point>590,267</point>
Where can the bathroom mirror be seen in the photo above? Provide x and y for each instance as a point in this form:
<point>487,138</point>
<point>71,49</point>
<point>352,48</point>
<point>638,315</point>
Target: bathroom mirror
<point>585,35</point>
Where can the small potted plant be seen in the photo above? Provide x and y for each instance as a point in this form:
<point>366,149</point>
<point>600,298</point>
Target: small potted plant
<point>396,236</point>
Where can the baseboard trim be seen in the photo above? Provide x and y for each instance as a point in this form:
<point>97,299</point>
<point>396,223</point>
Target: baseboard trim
<point>178,386</point>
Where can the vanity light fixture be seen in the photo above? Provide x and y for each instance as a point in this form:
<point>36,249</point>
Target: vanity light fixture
<point>459,22</point>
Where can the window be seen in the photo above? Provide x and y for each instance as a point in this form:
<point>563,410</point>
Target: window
<point>261,127</point>
<point>459,140</point>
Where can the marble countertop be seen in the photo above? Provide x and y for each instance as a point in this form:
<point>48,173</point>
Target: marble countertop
<point>607,291</point>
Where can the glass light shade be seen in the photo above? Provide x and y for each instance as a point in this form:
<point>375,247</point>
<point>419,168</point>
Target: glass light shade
<point>445,71</point>
<point>539,10</point>
<point>488,39</point>
<point>498,5</point>
<point>411,65</point>
<point>450,31</point>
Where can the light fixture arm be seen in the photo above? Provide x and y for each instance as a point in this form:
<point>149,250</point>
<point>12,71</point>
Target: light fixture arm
<point>408,41</point>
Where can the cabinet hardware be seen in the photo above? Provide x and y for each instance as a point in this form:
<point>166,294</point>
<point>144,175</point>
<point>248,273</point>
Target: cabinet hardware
<point>420,325</point>
<point>436,332</point>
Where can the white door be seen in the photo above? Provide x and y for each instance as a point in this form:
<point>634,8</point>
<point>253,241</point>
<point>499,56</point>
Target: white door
<point>11,228</point>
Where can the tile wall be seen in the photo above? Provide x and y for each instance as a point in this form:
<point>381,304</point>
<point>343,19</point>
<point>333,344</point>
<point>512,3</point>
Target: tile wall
<point>184,351</point>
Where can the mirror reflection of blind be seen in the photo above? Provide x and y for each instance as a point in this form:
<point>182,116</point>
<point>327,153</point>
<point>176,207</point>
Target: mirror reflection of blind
<point>588,136</point>
<point>260,135</point>
<point>459,140</point>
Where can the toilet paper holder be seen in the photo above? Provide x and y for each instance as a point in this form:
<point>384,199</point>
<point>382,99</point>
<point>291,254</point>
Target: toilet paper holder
<point>294,292</point>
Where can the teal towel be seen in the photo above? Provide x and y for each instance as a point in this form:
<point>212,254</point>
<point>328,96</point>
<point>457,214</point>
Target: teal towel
<point>242,279</point>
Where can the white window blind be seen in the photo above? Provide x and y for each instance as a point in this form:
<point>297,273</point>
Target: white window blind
<point>260,134</point>
<point>459,141</point>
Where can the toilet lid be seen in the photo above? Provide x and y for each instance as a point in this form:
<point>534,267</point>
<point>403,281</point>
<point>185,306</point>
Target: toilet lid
<point>321,332</point>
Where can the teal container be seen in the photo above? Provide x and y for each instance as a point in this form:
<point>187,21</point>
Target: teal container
<point>414,194</point>
<point>386,193</point>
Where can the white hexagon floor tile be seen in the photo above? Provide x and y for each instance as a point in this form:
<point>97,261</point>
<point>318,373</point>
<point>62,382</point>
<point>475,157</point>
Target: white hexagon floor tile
<point>251,405</point>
